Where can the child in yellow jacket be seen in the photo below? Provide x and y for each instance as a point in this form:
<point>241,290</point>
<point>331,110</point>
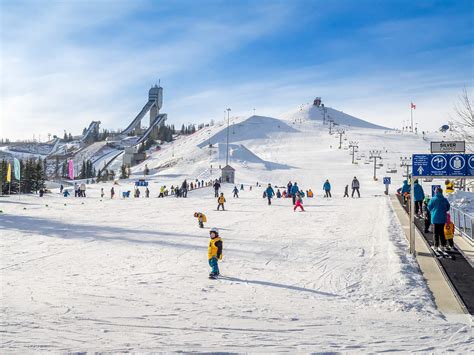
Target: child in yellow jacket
<point>221,201</point>
<point>214,252</point>
<point>449,232</point>
<point>201,217</point>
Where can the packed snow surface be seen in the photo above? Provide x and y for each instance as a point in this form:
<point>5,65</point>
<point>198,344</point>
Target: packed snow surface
<point>120,275</point>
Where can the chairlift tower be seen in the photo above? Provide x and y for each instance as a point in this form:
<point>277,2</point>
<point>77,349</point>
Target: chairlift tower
<point>375,154</point>
<point>341,132</point>
<point>353,145</point>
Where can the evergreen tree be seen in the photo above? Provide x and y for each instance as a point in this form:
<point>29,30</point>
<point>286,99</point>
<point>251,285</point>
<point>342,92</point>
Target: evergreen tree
<point>82,174</point>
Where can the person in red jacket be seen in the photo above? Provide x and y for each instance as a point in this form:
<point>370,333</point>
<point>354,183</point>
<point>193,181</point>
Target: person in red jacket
<point>298,202</point>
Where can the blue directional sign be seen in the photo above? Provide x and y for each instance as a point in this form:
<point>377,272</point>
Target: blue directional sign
<point>443,164</point>
<point>387,180</point>
<point>141,183</point>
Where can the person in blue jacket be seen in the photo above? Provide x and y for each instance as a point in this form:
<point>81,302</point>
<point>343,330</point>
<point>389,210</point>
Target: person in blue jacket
<point>327,188</point>
<point>278,193</point>
<point>438,207</point>
<point>419,196</point>
<point>405,191</point>
<point>269,192</point>
<point>294,189</point>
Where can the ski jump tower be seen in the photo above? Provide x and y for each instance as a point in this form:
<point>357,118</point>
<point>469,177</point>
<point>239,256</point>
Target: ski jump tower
<point>154,104</point>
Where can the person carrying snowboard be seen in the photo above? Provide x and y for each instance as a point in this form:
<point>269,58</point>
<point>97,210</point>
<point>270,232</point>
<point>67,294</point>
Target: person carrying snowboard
<point>236,192</point>
<point>327,189</point>
<point>269,192</point>
<point>201,217</point>
<point>221,201</point>
<point>214,252</point>
<point>299,202</point>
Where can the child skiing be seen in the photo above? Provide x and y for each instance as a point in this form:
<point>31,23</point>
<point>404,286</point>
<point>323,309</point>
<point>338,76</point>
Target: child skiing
<point>298,202</point>
<point>201,218</point>
<point>236,192</point>
<point>449,232</point>
<point>221,201</point>
<point>214,252</point>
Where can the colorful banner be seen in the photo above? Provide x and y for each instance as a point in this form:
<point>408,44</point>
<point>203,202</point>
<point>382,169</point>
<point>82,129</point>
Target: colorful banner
<point>16,168</point>
<point>9,173</point>
<point>71,169</point>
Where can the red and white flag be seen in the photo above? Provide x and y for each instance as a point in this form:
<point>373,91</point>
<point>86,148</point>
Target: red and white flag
<point>413,106</point>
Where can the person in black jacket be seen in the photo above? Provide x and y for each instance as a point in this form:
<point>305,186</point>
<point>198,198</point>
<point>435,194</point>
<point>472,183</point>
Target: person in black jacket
<point>217,186</point>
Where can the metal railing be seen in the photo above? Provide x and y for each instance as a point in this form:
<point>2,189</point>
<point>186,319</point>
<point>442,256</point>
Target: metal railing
<point>464,224</point>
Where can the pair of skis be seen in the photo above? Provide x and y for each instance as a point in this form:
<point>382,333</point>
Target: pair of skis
<point>442,254</point>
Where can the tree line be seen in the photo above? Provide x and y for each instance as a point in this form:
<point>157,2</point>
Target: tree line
<point>32,179</point>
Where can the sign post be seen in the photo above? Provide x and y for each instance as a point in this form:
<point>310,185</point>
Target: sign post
<point>412,218</point>
<point>387,181</point>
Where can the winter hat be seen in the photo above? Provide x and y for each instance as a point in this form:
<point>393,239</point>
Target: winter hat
<point>214,230</point>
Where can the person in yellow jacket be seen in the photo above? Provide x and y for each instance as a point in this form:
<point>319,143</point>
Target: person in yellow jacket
<point>449,232</point>
<point>449,186</point>
<point>221,201</point>
<point>201,218</point>
<point>214,252</point>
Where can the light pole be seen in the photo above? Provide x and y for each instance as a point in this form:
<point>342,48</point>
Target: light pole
<point>353,145</point>
<point>341,133</point>
<point>227,155</point>
<point>375,154</point>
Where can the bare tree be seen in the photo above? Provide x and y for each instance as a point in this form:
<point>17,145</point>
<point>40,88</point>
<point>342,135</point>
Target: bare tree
<point>464,119</point>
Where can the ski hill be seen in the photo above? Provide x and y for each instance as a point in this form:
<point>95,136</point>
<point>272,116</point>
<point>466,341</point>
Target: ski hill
<point>131,275</point>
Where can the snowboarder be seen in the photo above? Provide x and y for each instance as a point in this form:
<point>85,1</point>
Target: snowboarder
<point>236,192</point>
<point>419,196</point>
<point>299,202</point>
<point>112,192</point>
<point>221,201</point>
<point>294,190</point>
<point>355,186</point>
<point>346,191</point>
<point>439,206</point>
<point>269,191</point>
<point>214,252</point>
<point>449,232</point>
<point>327,189</point>
<point>102,192</point>
<point>201,217</point>
<point>217,186</point>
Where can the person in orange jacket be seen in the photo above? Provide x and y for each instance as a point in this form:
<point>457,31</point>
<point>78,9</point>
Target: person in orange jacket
<point>449,232</point>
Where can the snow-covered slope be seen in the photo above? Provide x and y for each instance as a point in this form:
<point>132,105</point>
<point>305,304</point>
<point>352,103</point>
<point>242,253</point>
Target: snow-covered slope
<point>311,112</point>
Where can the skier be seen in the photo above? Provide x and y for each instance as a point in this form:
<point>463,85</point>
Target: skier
<point>294,190</point>
<point>289,186</point>
<point>346,191</point>
<point>419,196</point>
<point>449,232</point>
<point>214,252</point>
<point>278,193</point>
<point>327,188</point>
<point>217,186</point>
<point>426,214</point>
<point>438,207</point>
<point>112,192</point>
<point>66,193</point>
<point>236,192</point>
<point>102,192</point>
<point>269,191</point>
<point>405,191</point>
<point>147,192</point>
<point>355,186</point>
<point>299,202</point>
<point>221,201</point>
<point>184,189</point>
<point>201,218</point>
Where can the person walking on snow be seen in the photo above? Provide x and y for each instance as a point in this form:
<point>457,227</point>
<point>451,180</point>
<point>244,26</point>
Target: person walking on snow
<point>236,192</point>
<point>147,192</point>
<point>346,191</point>
<point>269,192</point>
<point>294,190</point>
<point>217,186</point>
<point>439,207</point>
<point>214,252</point>
<point>327,188</point>
<point>184,189</point>
<point>419,196</point>
<point>221,201</point>
<point>288,191</point>
<point>355,186</point>
<point>299,202</point>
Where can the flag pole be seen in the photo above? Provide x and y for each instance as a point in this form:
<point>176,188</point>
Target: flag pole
<point>411,115</point>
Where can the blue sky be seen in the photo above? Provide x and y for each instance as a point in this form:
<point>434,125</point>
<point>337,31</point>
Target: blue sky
<point>66,63</point>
